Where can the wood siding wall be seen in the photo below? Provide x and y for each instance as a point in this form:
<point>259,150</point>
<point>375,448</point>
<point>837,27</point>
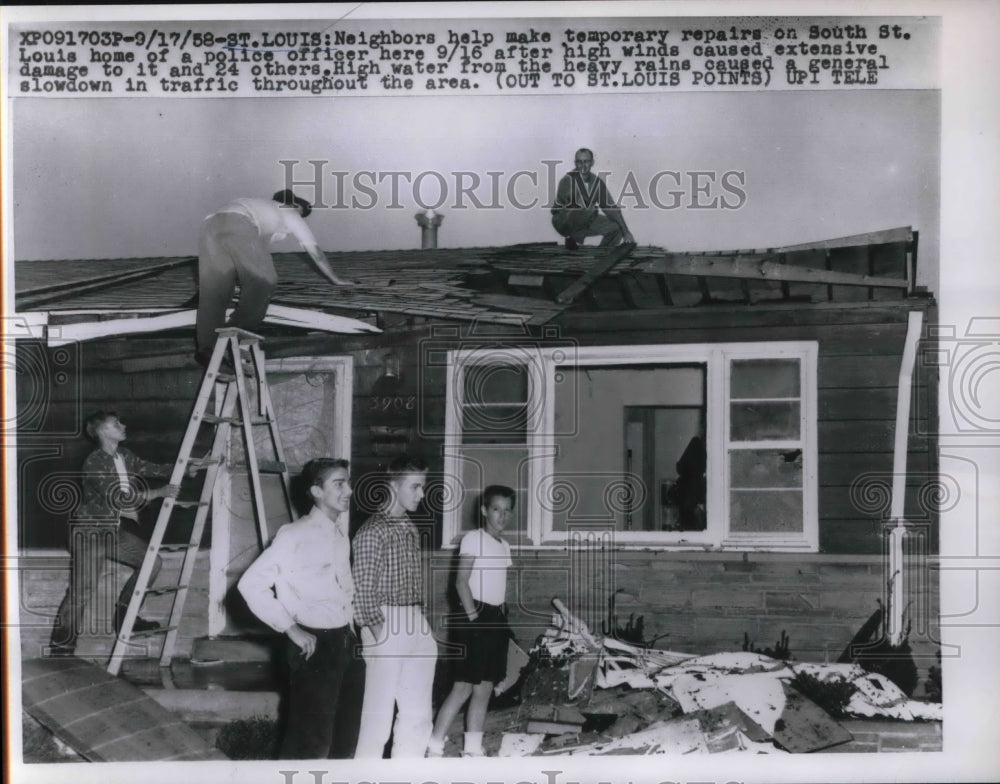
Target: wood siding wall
<point>705,601</point>
<point>860,351</point>
<point>151,382</point>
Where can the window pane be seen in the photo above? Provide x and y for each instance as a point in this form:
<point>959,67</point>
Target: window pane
<point>636,456</point>
<point>494,424</point>
<point>764,421</point>
<point>495,383</point>
<point>484,467</point>
<point>764,378</point>
<point>765,468</point>
<point>607,497</point>
<point>765,511</point>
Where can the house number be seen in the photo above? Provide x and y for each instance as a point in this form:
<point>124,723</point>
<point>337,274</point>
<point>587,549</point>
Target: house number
<point>393,403</point>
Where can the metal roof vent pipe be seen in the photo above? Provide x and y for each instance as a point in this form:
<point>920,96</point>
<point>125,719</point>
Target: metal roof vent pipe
<point>429,222</point>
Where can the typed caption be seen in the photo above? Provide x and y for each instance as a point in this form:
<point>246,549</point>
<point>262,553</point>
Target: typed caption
<point>484,57</point>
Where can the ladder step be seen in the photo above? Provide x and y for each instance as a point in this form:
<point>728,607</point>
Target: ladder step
<point>152,632</point>
<point>189,504</point>
<point>212,419</point>
<point>165,589</point>
<point>241,334</point>
<point>199,463</point>
<point>175,548</point>
<point>229,378</point>
<point>271,467</point>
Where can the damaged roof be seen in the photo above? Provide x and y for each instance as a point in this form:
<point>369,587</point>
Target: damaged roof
<point>517,284</point>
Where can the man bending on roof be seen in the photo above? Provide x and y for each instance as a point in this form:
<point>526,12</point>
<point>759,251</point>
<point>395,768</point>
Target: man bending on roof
<point>581,197</point>
<point>234,245</point>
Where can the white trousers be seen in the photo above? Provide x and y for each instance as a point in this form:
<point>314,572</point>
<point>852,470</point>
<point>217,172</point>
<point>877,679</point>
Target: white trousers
<point>399,674</point>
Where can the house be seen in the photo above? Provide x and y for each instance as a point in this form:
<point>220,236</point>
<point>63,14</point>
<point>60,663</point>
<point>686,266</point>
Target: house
<point>704,440</point>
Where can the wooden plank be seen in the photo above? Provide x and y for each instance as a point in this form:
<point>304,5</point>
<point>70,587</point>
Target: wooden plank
<point>716,721</point>
<point>901,234</point>
<point>628,287</point>
<point>720,290</point>
<point>870,500</point>
<point>760,267</point>
<point>852,372</point>
<point>736,316</point>
<point>527,305</point>
<point>890,260</point>
<point>911,261</point>
<point>553,719</point>
<point>605,294</point>
<point>664,283</point>
<point>598,269</point>
<point>853,262</point>
<point>873,403</point>
<point>804,726</point>
<point>103,718</point>
<point>530,281</point>
<point>841,469</point>
<point>834,339</point>
<point>809,259</point>
<point>855,537</point>
<point>764,291</point>
<point>276,314</point>
<point>866,436</point>
<point>685,291</point>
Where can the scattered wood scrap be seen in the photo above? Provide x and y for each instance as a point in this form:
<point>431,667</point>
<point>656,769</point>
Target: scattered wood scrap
<point>553,719</point>
<point>804,726</point>
<point>584,694</point>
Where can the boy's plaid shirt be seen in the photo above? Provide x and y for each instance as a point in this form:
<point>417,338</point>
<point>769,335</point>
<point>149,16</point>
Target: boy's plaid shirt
<point>387,567</point>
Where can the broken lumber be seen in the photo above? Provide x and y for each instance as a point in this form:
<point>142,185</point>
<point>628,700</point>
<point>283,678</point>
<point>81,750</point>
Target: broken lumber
<point>599,269</point>
<point>762,267</point>
<point>896,630</point>
<point>574,625</point>
<point>517,660</point>
<point>553,720</point>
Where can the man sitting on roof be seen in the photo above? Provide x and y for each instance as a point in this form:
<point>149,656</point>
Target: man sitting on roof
<point>575,214</point>
<point>235,246</point>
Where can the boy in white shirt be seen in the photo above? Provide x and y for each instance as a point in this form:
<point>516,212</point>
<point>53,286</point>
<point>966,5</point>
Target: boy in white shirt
<point>483,633</point>
<point>301,586</point>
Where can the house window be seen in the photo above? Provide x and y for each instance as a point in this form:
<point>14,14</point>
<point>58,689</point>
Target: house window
<point>710,445</point>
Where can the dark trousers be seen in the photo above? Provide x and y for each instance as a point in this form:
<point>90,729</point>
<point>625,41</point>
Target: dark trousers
<point>89,546</point>
<point>230,249</point>
<point>578,224</point>
<point>325,693</point>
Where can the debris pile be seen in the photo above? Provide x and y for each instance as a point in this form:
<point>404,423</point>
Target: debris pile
<point>584,695</point>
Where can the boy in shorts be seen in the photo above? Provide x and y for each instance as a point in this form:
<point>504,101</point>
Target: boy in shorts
<point>482,631</point>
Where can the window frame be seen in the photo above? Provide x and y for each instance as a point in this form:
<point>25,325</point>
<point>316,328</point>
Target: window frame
<point>542,364</point>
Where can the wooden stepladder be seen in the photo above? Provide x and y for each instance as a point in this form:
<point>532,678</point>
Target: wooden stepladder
<point>225,392</point>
